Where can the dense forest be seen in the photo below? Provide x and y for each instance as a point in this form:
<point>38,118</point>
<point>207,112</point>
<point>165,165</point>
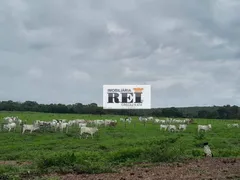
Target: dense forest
<point>213,112</point>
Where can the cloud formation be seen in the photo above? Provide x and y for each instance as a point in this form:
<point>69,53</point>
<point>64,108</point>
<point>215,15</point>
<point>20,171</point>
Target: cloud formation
<point>63,51</point>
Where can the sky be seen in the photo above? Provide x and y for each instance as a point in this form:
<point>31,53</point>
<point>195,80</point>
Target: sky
<point>64,51</point>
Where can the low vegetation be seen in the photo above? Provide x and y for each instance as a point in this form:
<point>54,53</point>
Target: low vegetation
<point>44,152</point>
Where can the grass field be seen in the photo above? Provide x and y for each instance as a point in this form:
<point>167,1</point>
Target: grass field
<point>111,147</point>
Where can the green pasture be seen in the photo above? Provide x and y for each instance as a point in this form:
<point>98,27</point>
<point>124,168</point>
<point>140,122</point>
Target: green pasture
<point>51,151</point>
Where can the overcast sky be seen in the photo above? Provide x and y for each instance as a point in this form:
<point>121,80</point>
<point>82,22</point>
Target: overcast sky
<point>64,51</point>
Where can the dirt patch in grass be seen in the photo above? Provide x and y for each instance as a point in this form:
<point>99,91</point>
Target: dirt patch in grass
<point>15,163</point>
<point>224,168</point>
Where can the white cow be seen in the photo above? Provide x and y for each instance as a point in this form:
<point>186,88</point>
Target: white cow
<point>150,118</point>
<point>163,121</point>
<point>88,130</point>
<point>182,127</point>
<point>163,126</point>
<point>141,119</point>
<point>172,128</point>
<point>77,121</point>
<point>12,120</point>
<point>10,126</point>
<point>207,150</point>
<point>82,125</point>
<point>30,127</point>
<point>99,122</point>
<point>122,119</point>
<point>63,125</point>
<point>204,127</point>
<point>55,125</point>
<point>9,119</point>
<point>129,120</point>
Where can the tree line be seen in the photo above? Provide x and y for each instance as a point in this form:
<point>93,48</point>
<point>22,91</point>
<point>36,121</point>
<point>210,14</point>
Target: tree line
<point>211,112</point>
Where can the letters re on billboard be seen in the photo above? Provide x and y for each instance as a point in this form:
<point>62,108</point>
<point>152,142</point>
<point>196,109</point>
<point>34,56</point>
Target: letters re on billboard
<point>126,97</point>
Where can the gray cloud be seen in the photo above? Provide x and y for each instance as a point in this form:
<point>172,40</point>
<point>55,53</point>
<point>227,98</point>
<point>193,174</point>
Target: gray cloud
<point>63,51</point>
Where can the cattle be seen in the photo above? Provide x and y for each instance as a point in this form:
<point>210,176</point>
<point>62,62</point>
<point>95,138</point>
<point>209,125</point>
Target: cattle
<point>99,122</point>
<point>113,124</point>
<point>204,127</point>
<point>172,128</point>
<point>63,125</point>
<point>150,118</point>
<point>10,126</point>
<point>141,119</point>
<point>82,125</point>
<point>88,130</point>
<point>122,119</point>
<point>13,120</point>
<point>207,150</point>
<point>129,120</point>
<point>29,127</point>
<point>163,126</point>
<point>159,121</point>
<point>77,121</point>
<point>9,119</point>
<point>110,122</point>
<point>107,122</point>
<point>55,124</point>
<point>182,127</point>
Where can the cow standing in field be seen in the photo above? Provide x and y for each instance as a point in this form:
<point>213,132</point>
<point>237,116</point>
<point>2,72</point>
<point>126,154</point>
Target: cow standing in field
<point>163,126</point>
<point>182,127</point>
<point>88,130</point>
<point>64,125</point>
<point>204,127</point>
<point>30,127</point>
<point>172,128</point>
<point>10,126</point>
<point>128,119</point>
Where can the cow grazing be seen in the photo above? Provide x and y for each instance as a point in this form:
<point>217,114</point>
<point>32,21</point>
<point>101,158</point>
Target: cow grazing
<point>207,150</point>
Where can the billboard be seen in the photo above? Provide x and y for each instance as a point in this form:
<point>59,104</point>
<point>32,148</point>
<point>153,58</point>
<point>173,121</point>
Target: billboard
<point>126,97</point>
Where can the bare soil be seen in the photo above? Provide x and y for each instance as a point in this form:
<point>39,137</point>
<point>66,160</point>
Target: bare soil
<point>208,168</point>
<point>202,169</point>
